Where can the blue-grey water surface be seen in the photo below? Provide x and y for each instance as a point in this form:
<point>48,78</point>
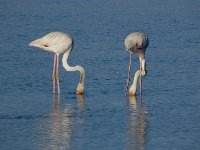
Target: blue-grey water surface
<point>32,118</point>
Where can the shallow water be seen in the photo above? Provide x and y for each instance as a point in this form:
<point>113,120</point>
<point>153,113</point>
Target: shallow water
<point>32,118</point>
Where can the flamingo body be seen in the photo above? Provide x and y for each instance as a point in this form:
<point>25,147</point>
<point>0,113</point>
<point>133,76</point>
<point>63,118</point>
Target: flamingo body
<point>58,43</point>
<point>136,42</point>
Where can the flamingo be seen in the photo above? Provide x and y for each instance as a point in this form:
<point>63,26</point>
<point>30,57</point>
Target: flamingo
<point>136,43</point>
<point>59,42</point>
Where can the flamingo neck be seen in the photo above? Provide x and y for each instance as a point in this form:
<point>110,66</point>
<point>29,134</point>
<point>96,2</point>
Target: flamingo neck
<point>80,87</point>
<point>133,87</point>
<point>65,61</point>
<point>142,64</point>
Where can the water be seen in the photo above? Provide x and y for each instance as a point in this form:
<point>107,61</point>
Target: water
<point>32,118</point>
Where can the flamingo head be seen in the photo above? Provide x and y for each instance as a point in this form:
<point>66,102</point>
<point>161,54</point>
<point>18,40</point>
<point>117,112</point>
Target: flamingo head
<point>80,88</point>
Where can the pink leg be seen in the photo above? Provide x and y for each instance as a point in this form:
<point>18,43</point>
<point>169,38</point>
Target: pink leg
<point>140,83</point>
<point>54,74</point>
<point>57,75</point>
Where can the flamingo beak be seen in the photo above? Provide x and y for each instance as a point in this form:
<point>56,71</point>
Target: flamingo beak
<point>145,71</point>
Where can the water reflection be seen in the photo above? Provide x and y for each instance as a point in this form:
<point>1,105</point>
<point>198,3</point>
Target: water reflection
<point>81,101</point>
<point>137,127</point>
<point>62,124</point>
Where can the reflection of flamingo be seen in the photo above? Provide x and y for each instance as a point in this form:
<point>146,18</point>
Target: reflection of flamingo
<point>58,42</point>
<point>136,43</point>
<point>61,123</point>
<point>137,125</point>
<point>81,101</point>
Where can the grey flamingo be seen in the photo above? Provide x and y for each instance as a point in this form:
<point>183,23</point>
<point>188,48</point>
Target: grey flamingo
<point>136,43</point>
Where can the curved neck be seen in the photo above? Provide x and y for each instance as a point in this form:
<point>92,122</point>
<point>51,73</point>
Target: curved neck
<point>136,76</point>
<point>133,87</point>
<point>142,63</point>
<point>76,68</point>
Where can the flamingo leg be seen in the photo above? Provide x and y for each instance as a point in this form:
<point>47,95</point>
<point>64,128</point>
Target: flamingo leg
<point>54,73</point>
<point>129,70</point>
<point>57,75</point>
<point>140,81</point>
